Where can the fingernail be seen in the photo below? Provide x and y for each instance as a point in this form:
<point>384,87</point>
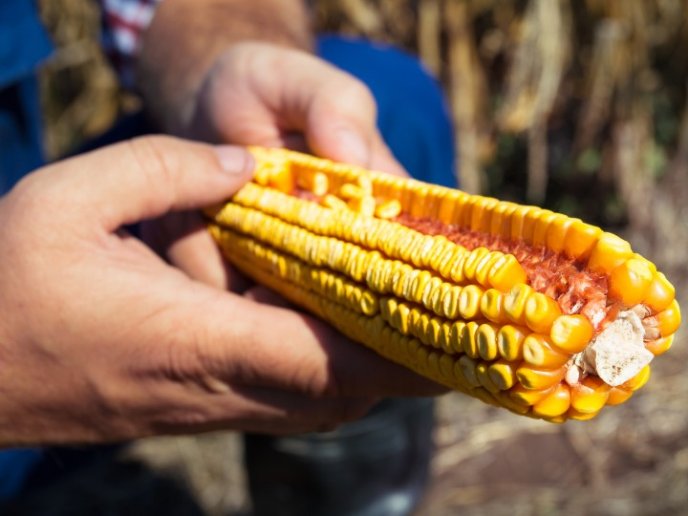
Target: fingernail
<point>353,146</point>
<point>234,160</point>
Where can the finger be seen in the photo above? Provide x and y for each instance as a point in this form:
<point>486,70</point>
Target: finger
<point>335,111</point>
<point>342,127</point>
<point>183,239</point>
<point>147,177</point>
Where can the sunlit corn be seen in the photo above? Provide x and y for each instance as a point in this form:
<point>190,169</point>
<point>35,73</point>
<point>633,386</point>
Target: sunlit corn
<point>514,305</point>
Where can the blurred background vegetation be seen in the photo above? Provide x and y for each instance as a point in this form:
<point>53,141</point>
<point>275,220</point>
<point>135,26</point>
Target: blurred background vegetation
<point>579,105</point>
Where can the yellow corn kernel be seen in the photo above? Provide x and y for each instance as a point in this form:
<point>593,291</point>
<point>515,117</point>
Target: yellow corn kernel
<point>530,220</point>
<point>510,342</point>
<point>580,240</point>
<point>559,226</point>
<point>609,252</point>
<point>533,378</point>
<point>539,352</point>
<point>446,367</point>
<point>491,306</point>
<point>571,333</point>
<point>451,303</point>
<point>659,346</point>
<point>503,374</point>
<point>481,213</point>
<point>665,322</point>
<point>540,312</point>
<point>660,293</point>
<point>505,401</point>
<point>364,205</point>
<point>518,218</point>
<point>507,220</point>
<point>481,372</point>
<point>471,263</point>
<point>459,261</point>
<point>435,328</point>
<point>445,338</point>
<point>528,397</point>
<point>388,209</point>
<point>499,214</point>
<point>589,395</point>
<point>638,380</point>
<point>617,396</point>
<point>433,256</point>
<point>630,282</point>
<point>515,303</point>
<point>505,273</point>
<point>334,202</point>
<point>554,404</point>
<point>486,341</point>
<point>580,416</point>
<point>484,267</point>
<point>318,183</point>
<point>466,367</point>
<point>365,184</point>
<point>282,180</point>
<point>434,366</point>
<point>420,200</point>
<point>350,191</point>
<point>456,336</point>
<point>469,342</point>
<point>541,228</point>
<point>469,302</point>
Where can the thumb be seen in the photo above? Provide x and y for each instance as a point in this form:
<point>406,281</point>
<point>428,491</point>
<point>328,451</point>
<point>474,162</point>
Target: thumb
<point>148,177</point>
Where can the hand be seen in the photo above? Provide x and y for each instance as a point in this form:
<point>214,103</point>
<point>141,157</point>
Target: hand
<point>264,94</point>
<point>100,340</point>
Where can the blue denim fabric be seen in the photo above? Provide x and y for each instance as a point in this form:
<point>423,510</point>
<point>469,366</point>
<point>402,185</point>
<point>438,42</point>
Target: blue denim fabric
<point>23,45</point>
<point>412,117</point>
<point>412,114</point>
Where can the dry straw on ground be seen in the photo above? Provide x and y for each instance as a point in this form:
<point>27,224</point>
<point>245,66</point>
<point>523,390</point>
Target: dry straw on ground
<point>580,105</point>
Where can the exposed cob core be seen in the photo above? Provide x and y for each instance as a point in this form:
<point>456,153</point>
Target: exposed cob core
<point>518,306</point>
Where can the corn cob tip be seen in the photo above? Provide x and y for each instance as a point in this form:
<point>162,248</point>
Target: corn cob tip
<point>617,353</point>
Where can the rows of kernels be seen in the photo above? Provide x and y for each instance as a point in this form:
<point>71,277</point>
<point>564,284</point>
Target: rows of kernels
<point>539,227</point>
<point>322,281</point>
<point>562,336</point>
<point>479,345</point>
<point>432,252</point>
<point>576,239</point>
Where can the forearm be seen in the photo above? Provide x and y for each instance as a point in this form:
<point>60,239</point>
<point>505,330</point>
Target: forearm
<point>187,36</point>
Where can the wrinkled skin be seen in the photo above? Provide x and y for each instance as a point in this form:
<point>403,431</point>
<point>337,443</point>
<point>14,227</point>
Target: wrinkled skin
<point>102,340</point>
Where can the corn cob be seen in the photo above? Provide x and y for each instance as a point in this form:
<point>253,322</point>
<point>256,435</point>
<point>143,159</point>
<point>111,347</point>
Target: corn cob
<point>518,306</point>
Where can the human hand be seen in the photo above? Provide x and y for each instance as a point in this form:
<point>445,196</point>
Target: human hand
<point>100,340</point>
<point>265,94</point>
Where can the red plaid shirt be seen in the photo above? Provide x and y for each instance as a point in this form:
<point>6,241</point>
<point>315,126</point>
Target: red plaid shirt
<point>124,21</point>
